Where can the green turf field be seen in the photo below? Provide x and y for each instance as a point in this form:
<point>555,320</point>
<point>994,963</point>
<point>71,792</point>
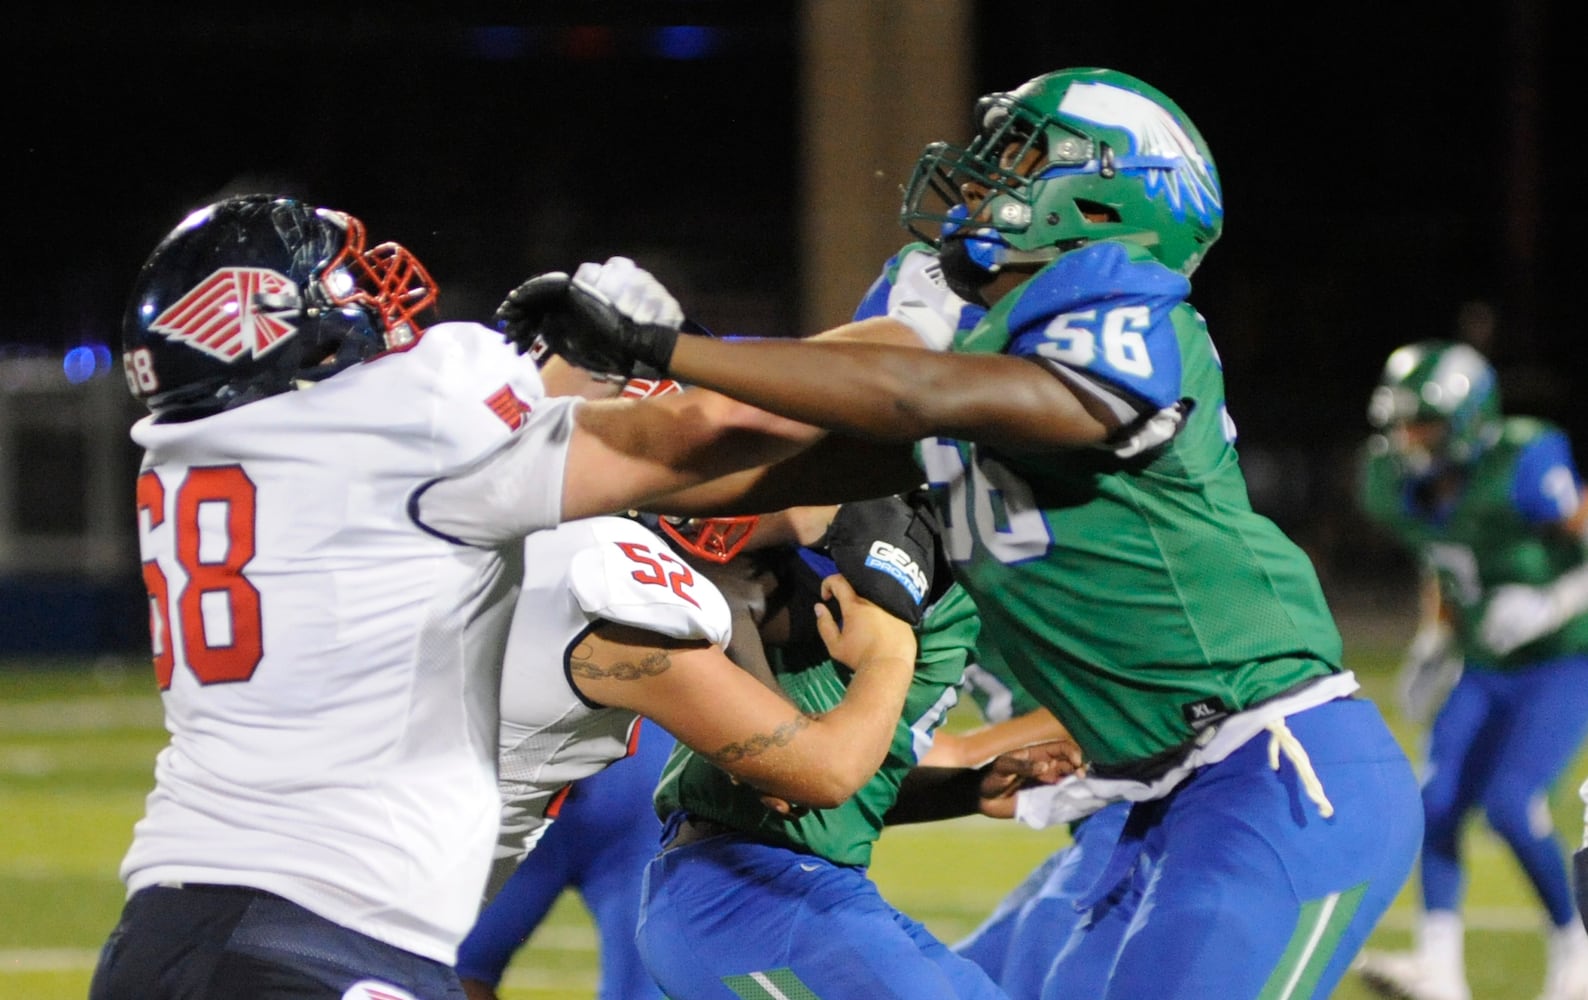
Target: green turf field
<point>77,742</point>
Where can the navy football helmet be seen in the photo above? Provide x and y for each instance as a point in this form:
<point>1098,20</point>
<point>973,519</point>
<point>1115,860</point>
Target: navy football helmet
<point>257,295</point>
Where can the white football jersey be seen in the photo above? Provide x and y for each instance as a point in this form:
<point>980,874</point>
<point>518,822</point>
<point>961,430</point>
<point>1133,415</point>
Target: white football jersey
<point>599,569</point>
<point>330,668</point>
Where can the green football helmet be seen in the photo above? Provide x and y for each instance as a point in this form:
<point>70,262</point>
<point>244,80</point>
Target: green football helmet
<point>1069,158</point>
<point>1436,382</point>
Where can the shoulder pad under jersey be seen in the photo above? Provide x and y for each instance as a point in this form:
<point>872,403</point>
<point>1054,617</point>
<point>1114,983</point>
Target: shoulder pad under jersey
<point>630,576</point>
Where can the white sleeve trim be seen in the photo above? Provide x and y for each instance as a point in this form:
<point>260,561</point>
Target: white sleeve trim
<point>1127,408</point>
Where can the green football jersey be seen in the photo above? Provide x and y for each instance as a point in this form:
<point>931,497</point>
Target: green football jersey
<point>993,687</point>
<point>1139,600</point>
<point>1488,534</point>
<point>845,834</point>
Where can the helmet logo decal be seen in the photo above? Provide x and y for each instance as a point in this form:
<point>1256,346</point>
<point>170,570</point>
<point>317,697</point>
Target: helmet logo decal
<point>1159,139</point>
<point>235,313</point>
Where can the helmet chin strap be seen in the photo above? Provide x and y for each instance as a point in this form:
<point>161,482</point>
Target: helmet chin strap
<point>964,271</point>
<point>970,265</point>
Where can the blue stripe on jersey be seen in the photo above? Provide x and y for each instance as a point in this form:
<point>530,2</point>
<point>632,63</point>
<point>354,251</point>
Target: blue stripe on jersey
<point>1547,487</point>
<point>876,301</point>
<point>1123,337</point>
<point>820,562</point>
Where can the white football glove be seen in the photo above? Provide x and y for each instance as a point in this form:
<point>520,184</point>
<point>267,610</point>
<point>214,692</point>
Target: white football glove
<point>1582,793</point>
<point>1518,614</point>
<point>1429,670</point>
<point>633,291</point>
<point>1147,433</point>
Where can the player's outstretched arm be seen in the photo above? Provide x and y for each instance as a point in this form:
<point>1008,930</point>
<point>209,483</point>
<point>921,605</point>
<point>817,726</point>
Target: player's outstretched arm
<point>626,454</point>
<point>887,392</point>
<point>855,378</point>
<point>695,692</point>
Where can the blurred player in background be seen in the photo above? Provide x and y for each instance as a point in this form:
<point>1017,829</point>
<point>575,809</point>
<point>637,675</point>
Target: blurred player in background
<point>1491,507</point>
<point>329,607</point>
<point>1095,510</point>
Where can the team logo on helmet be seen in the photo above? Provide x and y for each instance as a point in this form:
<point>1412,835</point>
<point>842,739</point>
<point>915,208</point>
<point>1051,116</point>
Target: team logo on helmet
<point>1158,135</point>
<point>235,313</point>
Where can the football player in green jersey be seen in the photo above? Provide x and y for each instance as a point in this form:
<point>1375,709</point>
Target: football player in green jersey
<point>752,898</point>
<point>1491,507</point>
<point>1085,467</point>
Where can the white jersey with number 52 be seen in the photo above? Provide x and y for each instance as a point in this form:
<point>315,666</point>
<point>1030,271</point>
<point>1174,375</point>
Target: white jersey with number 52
<point>601,569</point>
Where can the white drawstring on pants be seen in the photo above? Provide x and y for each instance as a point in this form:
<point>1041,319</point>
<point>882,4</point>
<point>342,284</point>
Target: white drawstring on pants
<point>1281,738</point>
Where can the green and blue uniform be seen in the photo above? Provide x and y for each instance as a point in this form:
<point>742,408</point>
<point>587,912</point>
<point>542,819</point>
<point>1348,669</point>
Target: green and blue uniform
<point>777,905</point>
<point>1513,722</point>
<point>1177,634</point>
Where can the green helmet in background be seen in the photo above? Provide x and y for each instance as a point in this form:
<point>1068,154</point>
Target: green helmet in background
<point>1436,382</point>
<point>1070,158</point>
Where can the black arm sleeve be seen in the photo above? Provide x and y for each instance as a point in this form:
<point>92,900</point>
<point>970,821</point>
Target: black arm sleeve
<point>931,793</point>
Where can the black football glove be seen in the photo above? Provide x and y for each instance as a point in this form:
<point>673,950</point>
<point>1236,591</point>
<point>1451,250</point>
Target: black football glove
<point>887,549</point>
<point>570,318</point>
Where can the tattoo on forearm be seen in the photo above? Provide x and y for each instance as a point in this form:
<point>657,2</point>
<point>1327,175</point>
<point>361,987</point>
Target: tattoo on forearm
<point>652,663</point>
<point>760,743</point>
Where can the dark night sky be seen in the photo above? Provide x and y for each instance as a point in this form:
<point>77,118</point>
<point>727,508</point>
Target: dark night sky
<point>1365,151</point>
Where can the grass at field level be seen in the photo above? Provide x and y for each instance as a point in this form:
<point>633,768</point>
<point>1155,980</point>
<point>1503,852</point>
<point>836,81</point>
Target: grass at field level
<point>77,743</point>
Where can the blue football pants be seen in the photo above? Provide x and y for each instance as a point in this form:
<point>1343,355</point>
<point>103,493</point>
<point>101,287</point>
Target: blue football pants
<point>1019,941</point>
<point>1235,886</point>
<point>1498,744</point>
<point>728,918</point>
<point>599,845</point>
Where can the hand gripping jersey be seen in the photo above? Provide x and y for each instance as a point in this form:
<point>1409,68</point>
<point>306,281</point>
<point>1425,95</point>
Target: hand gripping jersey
<point>845,834</point>
<point>329,667</point>
<point>1489,534</point>
<point>602,569</point>
<point>1097,575</point>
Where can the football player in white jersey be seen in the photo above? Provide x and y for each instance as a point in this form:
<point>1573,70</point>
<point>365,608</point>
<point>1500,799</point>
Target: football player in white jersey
<point>608,614</point>
<point>331,511</point>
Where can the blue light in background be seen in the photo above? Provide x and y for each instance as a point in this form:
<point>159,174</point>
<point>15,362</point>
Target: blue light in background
<point>78,364</point>
<point>501,42</point>
<point>686,42</point>
<point>86,361</point>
